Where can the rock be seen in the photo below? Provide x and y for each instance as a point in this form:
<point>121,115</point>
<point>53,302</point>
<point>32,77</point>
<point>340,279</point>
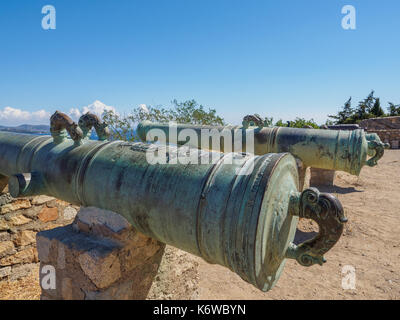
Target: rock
<point>3,182</point>
<point>51,226</point>
<point>22,271</point>
<point>18,220</point>
<point>5,199</point>
<point>121,291</point>
<point>102,270</point>
<point>139,250</point>
<point>62,203</point>
<point>5,236</point>
<point>51,204</point>
<point>25,256</point>
<point>21,204</point>
<point>48,214</point>
<point>41,200</point>
<point>43,247</point>
<point>94,217</point>
<point>3,225</point>
<point>61,256</point>
<point>25,237</point>
<point>16,205</point>
<point>4,272</point>
<point>66,289</point>
<point>6,208</point>
<point>31,212</point>
<point>69,213</point>
<point>90,265</point>
<point>6,248</point>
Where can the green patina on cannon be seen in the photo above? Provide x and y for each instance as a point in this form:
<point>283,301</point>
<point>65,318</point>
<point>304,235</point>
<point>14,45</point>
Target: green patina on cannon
<point>325,149</point>
<point>245,222</point>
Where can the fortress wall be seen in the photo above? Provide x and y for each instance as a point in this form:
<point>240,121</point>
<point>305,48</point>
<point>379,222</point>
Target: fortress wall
<point>388,129</point>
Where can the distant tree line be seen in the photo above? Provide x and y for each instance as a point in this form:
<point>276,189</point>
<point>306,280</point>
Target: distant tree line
<point>370,107</point>
<point>123,127</point>
<point>297,123</point>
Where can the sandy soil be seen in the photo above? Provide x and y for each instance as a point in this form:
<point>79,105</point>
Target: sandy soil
<point>371,244</point>
<point>24,289</point>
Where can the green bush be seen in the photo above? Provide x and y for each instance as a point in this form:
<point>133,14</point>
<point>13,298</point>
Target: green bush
<point>123,127</point>
<point>298,123</point>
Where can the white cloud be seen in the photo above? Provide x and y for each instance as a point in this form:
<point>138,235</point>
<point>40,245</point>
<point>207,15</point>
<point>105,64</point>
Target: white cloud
<point>74,113</point>
<point>13,116</point>
<point>41,115</point>
<point>143,108</point>
<point>96,107</point>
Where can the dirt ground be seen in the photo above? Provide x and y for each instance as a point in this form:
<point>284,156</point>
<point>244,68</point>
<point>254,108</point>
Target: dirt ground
<point>370,244</point>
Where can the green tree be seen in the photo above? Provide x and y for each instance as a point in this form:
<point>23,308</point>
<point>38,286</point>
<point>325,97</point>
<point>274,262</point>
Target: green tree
<point>365,106</point>
<point>191,112</point>
<point>123,127</point>
<point>376,109</point>
<point>394,110</point>
<point>366,109</point>
<point>297,123</point>
<point>370,107</point>
<point>280,123</point>
<point>344,115</point>
<point>329,123</point>
<point>268,122</point>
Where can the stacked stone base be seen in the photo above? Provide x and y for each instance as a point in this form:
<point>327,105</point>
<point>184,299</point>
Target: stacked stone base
<point>322,177</point>
<point>100,256</point>
<point>20,220</point>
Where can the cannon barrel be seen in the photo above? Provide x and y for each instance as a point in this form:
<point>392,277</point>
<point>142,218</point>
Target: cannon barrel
<point>325,149</point>
<point>245,222</point>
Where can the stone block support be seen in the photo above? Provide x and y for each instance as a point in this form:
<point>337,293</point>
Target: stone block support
<point>99,256</point>
<point>321,177</point>
<point>3,182</point>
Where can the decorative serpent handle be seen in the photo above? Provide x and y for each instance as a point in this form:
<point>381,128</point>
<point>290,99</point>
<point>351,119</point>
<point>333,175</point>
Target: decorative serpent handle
<point>326,210</point>
<point>379,148</point>
<point>88,121</point>
<point>59,122</point>
<point>253,120</point>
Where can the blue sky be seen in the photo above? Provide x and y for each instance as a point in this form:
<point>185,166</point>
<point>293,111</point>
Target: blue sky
<point>285,59</point>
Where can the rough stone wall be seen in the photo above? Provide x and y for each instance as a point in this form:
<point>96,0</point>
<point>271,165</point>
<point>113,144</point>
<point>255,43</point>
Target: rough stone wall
<point>388,129</point>
<point>100,256</point>
<point>20,220</point>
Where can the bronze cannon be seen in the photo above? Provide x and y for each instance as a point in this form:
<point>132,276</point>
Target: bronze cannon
<point>240,211</point>
<point>325,149</point>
